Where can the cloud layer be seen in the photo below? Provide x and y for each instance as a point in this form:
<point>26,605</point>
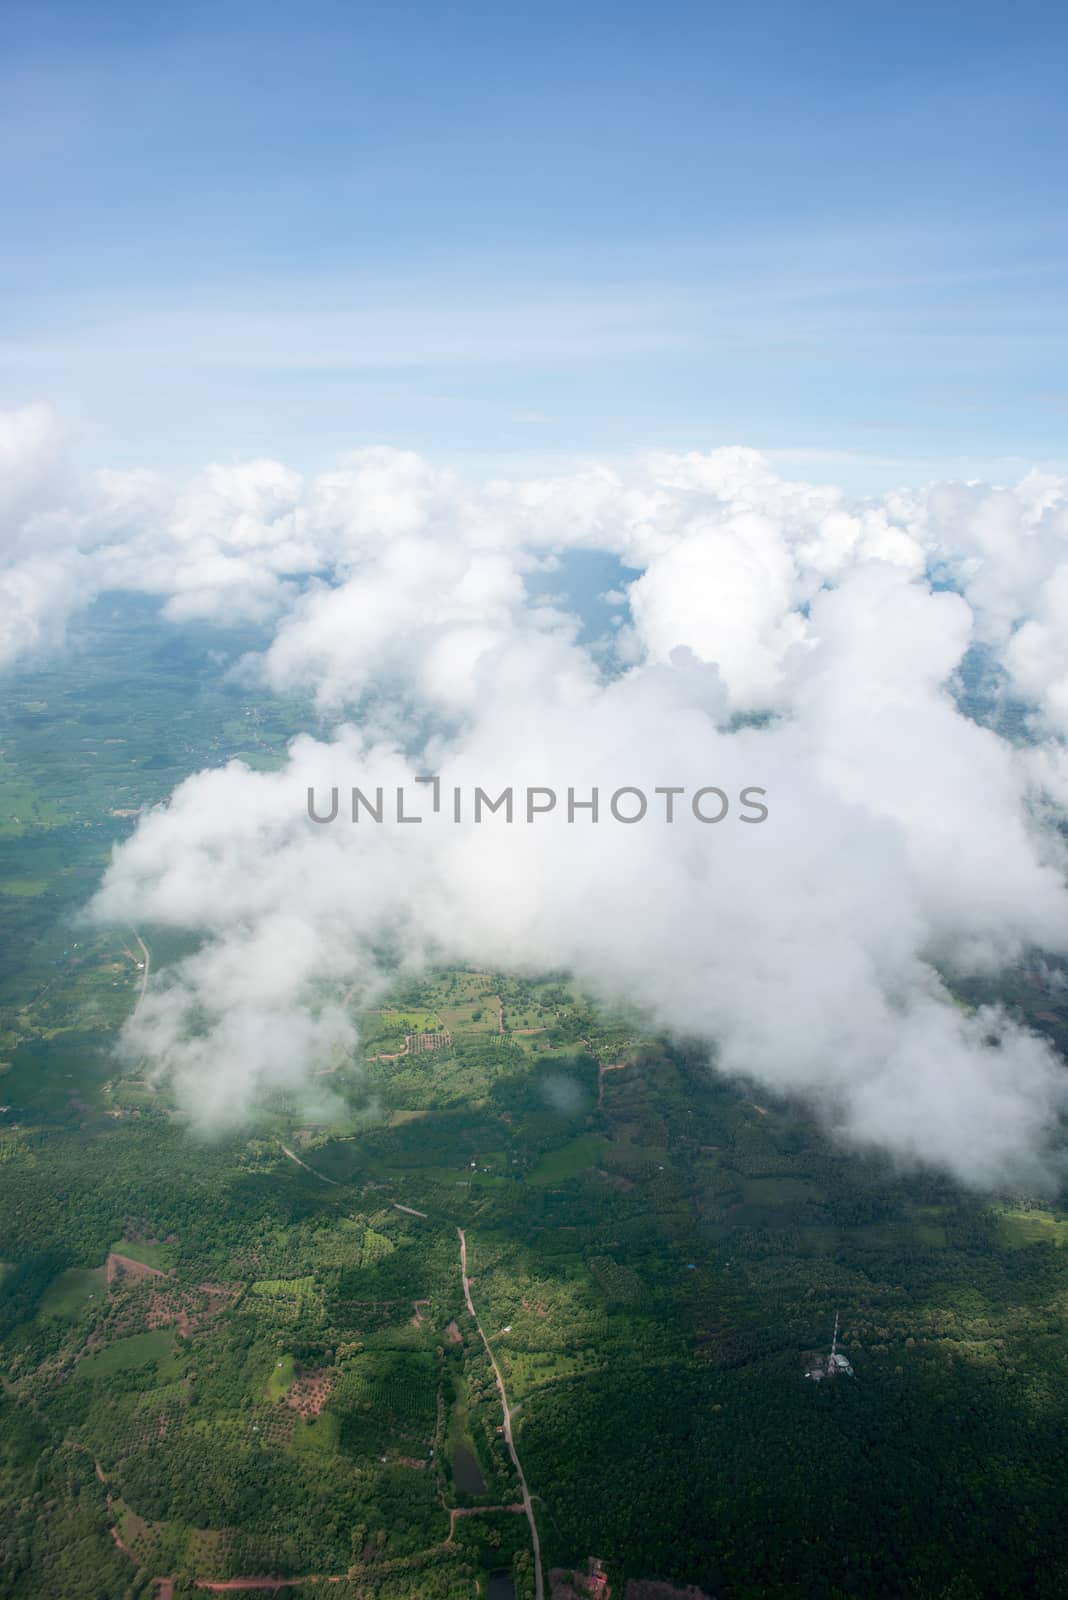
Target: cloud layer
<point>775,635</point>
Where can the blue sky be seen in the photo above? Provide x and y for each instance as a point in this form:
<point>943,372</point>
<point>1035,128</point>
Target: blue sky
<point>508,236</point>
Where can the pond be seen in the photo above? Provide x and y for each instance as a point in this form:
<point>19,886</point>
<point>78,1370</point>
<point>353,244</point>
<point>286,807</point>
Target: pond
<point>466,1472</point>
<point>500,1586</point>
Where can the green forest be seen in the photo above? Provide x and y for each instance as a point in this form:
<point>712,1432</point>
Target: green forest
<point>253,1356</point>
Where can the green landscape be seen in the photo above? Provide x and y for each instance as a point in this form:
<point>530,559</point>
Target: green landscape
<point>253,1358</point>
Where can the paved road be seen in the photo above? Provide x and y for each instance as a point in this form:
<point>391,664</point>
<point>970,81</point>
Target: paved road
<point>146,952</point>
<point>539,1584</point>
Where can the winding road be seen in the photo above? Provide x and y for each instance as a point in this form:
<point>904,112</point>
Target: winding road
<point>273,1584</point>
<point>539,1583</point>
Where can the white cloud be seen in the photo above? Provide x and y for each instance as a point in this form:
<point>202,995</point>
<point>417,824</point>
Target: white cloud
<point>803,950</point>
<point>30,449</point>
<point>906,844</point>
<point>39,579</point>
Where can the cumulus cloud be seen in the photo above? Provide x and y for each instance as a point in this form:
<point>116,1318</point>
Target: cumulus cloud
<point>774,635</point>
<point>30,448</point>
<point>806,950</point>
<point>38,585</point>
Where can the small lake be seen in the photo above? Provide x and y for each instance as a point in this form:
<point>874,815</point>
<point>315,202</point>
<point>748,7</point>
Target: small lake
<point>501,1586</point>
<point>467,1475</point>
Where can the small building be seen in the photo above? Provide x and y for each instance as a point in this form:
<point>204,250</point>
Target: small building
<point>596,1576</point>
<point>831,1365</point>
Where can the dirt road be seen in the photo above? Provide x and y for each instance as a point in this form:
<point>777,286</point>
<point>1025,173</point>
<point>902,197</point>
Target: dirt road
<point>476,1511</point>
<point>271,1585</point>
<point>320,1175</point>
<point>539,1584</point>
